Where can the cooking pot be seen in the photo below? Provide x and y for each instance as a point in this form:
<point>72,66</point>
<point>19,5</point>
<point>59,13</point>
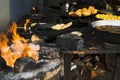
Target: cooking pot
<point>107,36</point>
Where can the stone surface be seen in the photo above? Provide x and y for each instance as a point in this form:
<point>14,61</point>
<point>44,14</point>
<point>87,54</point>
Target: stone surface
<point>49,70</point>
<point>70,41</point>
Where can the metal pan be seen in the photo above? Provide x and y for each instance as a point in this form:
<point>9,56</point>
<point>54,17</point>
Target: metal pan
<point>105,35</point>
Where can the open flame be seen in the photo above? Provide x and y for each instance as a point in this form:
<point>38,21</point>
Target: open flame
<point>19,47</point>
<point>25,25</point>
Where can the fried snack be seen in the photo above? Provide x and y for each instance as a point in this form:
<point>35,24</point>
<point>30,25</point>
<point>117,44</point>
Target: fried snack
<point>108,17</point>
<point>94,11</point>
<point>67,25</point>
<point>61,26</point>
<point>86,12</point>
<point>78,12</point>
<point>57,26</point>
<point>84,9</point>
<point>71,13</point>
<point>91,8</point>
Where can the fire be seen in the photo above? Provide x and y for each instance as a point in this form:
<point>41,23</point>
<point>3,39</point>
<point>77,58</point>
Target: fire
<point>3,40</point>
<point>25,25</point>
<point>15,36</point>
<point>19,47</point>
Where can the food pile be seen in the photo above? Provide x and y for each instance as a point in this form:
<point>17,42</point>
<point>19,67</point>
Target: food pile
<point>109,28</point>
<point>84,11</point>
<point>108,17</point>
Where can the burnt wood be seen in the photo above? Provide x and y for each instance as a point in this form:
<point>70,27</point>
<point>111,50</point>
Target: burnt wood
<point>99,49</point>
<point>2,63</point>
<point>49,52</point>
<point>50,71</point>
<point>24,64</point>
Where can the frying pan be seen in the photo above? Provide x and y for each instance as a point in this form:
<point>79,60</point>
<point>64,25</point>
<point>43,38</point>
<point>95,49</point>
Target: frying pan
<point>105,35</point>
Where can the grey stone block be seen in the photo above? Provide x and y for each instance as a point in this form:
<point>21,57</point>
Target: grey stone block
<point>70,41</point>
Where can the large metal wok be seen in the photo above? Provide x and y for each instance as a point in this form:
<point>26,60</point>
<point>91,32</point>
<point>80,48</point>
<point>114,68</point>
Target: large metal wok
<point>105,35</point>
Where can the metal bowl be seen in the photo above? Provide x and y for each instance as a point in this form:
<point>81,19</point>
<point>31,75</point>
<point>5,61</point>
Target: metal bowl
<point>105,35</point>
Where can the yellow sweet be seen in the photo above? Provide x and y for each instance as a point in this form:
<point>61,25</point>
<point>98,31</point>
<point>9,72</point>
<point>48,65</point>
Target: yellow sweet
<point>91,8</point>
<point>94,11</point>
<point>78,12</point>
<point>71,13</point>
<point>84,11</point>
<point>107,17</point>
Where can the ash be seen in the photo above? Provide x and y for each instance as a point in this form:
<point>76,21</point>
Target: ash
<point>49,59</point>
<point>29,75</point>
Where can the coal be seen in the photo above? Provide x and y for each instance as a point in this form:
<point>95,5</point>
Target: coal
<point>49,51</point>
<point>26,68</point>
<point>24,64</point>
<point>47,71</point>
<point>2,63</point>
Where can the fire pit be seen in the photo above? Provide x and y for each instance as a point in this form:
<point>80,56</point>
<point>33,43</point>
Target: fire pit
<point>27,59</point>
<point>45,71</point>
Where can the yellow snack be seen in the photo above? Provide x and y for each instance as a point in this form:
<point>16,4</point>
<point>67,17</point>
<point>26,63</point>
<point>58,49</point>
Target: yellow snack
<point>78,12</point>
<point>107,17</point>
<point>61,26</point>
<point>91,8</point>
<point>118,17</point>
<point>94,11</point>
<point>86,13</point>
<point>84,9</point>
<point>71,13</point>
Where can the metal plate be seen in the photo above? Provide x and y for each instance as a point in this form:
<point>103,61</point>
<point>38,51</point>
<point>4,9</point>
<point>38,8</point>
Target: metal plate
<point>106,22</point>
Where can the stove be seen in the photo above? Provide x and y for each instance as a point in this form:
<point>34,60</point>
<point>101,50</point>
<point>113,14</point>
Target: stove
<point>47,68</point>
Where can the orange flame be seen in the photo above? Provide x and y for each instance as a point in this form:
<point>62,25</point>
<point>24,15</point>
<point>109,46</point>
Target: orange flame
<point>19,47</point>
<point>25,25</point>
<point>3,40</point>
<point>16,37</point>
<point>28,52</point>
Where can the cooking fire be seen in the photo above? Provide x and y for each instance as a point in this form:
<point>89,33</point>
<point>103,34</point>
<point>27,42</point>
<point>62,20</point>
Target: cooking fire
<point>12,47</point>
<point>22,58</point>
<point>74,40</point>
